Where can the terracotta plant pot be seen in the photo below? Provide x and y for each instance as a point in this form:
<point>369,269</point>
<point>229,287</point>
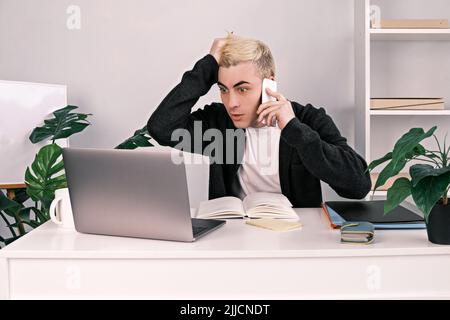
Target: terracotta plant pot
<point>438,226</point>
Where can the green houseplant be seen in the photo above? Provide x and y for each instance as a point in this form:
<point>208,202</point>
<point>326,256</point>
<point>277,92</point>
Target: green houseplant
<point>429,184</point>
<point>43,177</point>
<point>46,173</point>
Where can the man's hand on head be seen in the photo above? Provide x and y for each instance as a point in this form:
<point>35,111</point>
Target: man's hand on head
<point>281,110</point>
<point>216,48</point>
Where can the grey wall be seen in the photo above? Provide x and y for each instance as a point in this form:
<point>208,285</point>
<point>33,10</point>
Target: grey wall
<point>129,54</point>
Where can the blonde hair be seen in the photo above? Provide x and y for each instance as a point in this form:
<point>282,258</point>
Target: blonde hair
<point>238,49</point>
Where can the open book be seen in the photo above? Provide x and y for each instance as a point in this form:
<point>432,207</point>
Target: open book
<point>255,205</point>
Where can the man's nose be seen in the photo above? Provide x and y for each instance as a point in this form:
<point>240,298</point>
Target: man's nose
<point>234,100</point>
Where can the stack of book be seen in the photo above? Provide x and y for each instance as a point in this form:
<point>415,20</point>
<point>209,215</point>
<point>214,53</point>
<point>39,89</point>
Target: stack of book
<point>407,104</point>
<point>413,24</point>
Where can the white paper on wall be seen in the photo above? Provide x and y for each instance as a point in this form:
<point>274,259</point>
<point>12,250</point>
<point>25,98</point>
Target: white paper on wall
<point>24,106</point>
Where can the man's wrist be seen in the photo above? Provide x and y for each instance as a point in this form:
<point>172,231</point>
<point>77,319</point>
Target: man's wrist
<point>284,123</point>
<point>287,126</point>
<point>212,59</point>
<point>210,69</point>
<point>296,133</point>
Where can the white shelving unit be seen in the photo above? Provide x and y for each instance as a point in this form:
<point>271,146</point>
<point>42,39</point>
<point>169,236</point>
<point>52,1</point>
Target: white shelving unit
<point>364,37</point>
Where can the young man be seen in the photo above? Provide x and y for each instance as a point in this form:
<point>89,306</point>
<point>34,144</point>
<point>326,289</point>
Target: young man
<point>303,148</point>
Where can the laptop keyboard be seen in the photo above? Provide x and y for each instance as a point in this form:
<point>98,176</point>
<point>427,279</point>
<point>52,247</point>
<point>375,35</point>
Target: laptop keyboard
<point>198,229</point>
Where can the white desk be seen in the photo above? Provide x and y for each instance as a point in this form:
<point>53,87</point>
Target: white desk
<point>236,261</point>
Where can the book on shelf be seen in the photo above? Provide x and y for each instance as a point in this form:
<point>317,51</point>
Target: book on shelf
<point>389,182</point>
<point>407,104</point>
<point>414,24</point>
<point>255,205</point>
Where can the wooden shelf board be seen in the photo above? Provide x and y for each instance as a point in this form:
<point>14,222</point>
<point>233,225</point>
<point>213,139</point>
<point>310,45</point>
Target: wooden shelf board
<point>410,34</point>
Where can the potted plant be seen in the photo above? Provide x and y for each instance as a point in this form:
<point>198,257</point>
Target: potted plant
<point>46,173</point>
<point>429,184</point>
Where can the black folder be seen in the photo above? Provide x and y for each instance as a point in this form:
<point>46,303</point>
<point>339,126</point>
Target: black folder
<point>373,211</point>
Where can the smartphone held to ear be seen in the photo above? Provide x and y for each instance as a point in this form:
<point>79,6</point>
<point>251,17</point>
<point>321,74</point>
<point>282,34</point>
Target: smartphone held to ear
<point>272,85</point>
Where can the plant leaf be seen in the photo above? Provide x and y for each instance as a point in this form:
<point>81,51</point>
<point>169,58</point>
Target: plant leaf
<point>428,191</point>
<point>8,240</point>
<point>410,140</point>
<point>63,112</point>
<point>41,184</point>
<point>376,163</point>
<point>9,208</point>
<point>13,212</point>
<point>404,148</point>
<point>397,193</point>
<point>139,139</point>
<point>6,203</point>
<point>420,171</point>
<point>24,214</point>
<point>30,223</point>
<point>21,195</point>
<point>41,215</point>
<point>418,150</point>
<point>392,168</point>
<point>56,168</point>
<point>63,125</point>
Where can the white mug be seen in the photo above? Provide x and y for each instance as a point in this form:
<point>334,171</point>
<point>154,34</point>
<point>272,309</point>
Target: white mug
<point>61,209</point>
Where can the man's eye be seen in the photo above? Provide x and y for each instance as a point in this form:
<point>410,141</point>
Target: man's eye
<point>242,89</point>
<point>222,90</point>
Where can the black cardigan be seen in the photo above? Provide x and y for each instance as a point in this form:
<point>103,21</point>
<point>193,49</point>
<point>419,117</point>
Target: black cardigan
<point>311,146</point>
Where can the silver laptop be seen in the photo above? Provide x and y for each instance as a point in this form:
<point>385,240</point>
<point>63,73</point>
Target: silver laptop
<point>132,193</point>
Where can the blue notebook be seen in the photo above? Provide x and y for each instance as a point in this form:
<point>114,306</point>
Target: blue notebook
<point>357,232</point>
<point>338,220</point>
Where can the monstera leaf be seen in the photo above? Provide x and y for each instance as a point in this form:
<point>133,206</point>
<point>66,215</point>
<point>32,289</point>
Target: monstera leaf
<point>6,203</point>
<point>139,139</point>
<point>8,208</point>
<point>13,210</point>
<point>16,216</point>
<point>40,180</point>
<point>63,125</point>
